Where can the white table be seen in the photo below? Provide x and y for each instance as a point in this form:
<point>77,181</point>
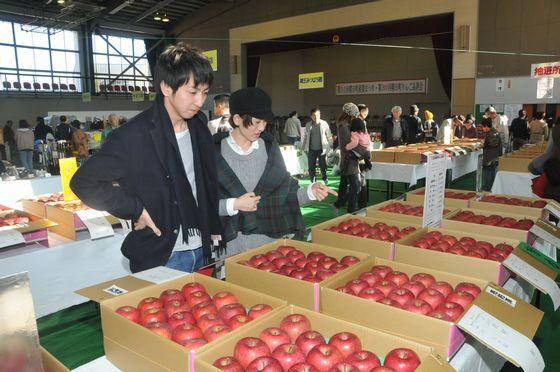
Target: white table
<point>12,191</point>
<point>56,272</point>
<point>513,183</point>
<point>293,162</point>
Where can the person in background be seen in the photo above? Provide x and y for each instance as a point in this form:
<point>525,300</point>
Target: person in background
<point>316,142</point>
<point>41,129</point>
<point>499,123</point>
<point>520,130</point>
<point>221,110</point>
<point>364,112</point>
<point>430,126</point>
<point>9,140</point>
<point>538,128</point>
<point>415,128</point>
<point>292,127</point>
<point>469,129</point>
<point>492,150</point>
<point>79,141</point>
<point>259,200</point>
<point>458,126</point>
<point>63,130</point>
<point>112,124</point>
<point>395,130</point>
<point>25,140</point>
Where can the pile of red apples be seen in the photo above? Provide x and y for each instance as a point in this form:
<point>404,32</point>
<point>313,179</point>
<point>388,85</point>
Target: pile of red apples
<point>12,219</point>
<point>513,201</point>
<point>494,220</point>
<point>421,293</point>
<point>377,231</point>
<point>406,209</point>
<point>290,261</point>
<point>455,195</point>
<point>465,246</point>
<point>190,316</point>
<point>295,347</point>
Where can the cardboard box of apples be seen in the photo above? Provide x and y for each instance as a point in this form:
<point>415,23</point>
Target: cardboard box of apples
<point>396,210</point>
<point>160,326</point>
<point>32,227</point>
<point>510,204</point>
<point>290,269</point>
<point>372,236</point>
<point>296,339</point>
<point>37,205</point>
<point>415,302</point>
<point>453,198</point>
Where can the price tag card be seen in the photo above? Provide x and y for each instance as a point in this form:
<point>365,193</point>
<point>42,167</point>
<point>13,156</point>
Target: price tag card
<point>435,190</point>
<point>159,274</point>
<point>115,290</point>
<point>503,339</point>
<point>96,223</point>
<point>544,283</point>
<point>9,237</point>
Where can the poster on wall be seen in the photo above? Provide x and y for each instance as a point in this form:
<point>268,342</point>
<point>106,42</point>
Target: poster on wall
<point>409,86</point>
<point>545,86</point>
<point>212,55</point>
<point>547,70</point>
<point>311,80</point>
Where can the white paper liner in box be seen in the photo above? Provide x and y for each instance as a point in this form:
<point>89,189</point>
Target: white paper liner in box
<point>503,339</point>
<point>544,283</point>
<point>10,236</point>
<point>96,223</point>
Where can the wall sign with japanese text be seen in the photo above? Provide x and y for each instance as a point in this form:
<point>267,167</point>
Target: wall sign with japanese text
<point>547,70</point>
<point>312,80</point>
<point>410,86</point>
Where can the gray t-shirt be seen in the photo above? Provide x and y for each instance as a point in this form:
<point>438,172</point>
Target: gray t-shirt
<point>315,142</point>
<point>397,129</point>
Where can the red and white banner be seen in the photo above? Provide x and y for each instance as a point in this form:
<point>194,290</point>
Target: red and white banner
<point>549,70</point>
<point>411,86</point>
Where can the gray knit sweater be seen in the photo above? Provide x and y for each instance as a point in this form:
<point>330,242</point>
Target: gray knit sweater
<point>249,169</point>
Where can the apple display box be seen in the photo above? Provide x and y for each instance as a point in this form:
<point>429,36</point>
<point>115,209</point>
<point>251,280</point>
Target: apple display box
<point>444,336</point>
<point>373,247</point>
<point>481,268</point>
<point>38,207</point>
<point>131,347</point>
<point>36,230</point>
<point>69,223</point>
<point>375,211</point>
<point>295,291</point>
<point>488,230</point>
<point>488,205</point>
<point>372,340</point>
<point>417,196</point>
<point>514,164</point>
<point>383,156</point>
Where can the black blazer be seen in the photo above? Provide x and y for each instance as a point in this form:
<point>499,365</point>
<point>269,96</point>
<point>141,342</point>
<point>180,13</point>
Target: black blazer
<point>131,172</point>
<point>387,133</point>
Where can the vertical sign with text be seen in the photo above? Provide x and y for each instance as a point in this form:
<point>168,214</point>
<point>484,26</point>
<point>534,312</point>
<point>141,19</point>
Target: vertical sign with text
<point>435,190</point>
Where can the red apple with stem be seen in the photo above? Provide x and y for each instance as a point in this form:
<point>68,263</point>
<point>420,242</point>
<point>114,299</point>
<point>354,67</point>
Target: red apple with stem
<point>248,349</point>
<point>442,287</point>
<point>402,360</point>
<point>371,294</point>
<point>175,306</point>
<point>418,306</point>
<point>203,308</point>
<point>228,364</point>
<point>224,298</point>
<point>432,297</point>
<point>264,364</point>
<point>191,288</point>
<point>237,321</point>
<point>149,303</point>
<point>178,319</point>
<point>452,309</point>
<point>385,287</point>
<point>324,357</point>
<point>370,278</point>
<point>274,337</point>
<point>401,296</point>
<point>426,279</point>
<point>229,311</point>
<point>209,320</point>
<point>288,355</point>
<point>186,331</point>
<point>129,312</point>
<point>197,297</point>
<point>294,325</point>
<point>215,332</point>
<point>347,343</point>
<point>357,285</point>
<point>171,295</point>
<point>363,360</point>
<point>473,289</point>
<point>308,340</point>
<point>153,315</point>
<point>258,310</point>
<point>161,328</point>
<point>414,286</point>
<point>381,270</point>
<point>349,260</point>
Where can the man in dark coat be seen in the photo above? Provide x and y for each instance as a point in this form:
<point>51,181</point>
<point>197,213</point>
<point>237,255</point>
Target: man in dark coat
<point>395,130</point>
<point>492,150</point>
<point>415,128</point>
<point>159,170</point>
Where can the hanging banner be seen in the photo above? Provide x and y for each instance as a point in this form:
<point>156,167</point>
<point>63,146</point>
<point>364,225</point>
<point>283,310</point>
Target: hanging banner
<point>137,96</point>
<point>312,80</point>
<point>411,86</point>
<point>212,55</point>
<point>68,166</point>
<point>549,70</point>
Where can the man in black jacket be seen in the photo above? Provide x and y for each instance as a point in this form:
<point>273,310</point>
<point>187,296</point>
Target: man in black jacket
<point>159,170</point>
<point>414,123</point>
<point>395,130</point>
<point>63,130</point>
<point>520,130</point>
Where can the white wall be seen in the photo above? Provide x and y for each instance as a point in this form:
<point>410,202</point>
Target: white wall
<point>518,89</point>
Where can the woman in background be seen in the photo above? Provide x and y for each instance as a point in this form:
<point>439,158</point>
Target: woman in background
<point>538,128</point>
<point>430,126</point>
<point>25,140</point>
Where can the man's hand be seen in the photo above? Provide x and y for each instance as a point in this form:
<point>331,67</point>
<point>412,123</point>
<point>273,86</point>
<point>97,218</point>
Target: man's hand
<point>321,191</point>
<point>247,202</point>
<point>146,221</point>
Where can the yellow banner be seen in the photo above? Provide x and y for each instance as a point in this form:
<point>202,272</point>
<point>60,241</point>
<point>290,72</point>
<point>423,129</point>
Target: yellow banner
<point>312,80</point>
<point>68,166</point>
<point>212,55</point>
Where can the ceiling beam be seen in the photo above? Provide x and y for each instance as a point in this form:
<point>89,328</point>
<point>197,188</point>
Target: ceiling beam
<point>131,28</point>
<point>150,11</point>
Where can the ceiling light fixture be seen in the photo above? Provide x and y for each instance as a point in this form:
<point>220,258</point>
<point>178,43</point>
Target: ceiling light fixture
<point>165,19</point>
<point>157,17</point>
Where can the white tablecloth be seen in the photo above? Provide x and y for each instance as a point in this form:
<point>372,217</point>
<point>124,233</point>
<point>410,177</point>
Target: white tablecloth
<point>463,165</point>
<point>55,273</point>
<point>513,183</point>
<point>294,165</point>
<point>12,191</point>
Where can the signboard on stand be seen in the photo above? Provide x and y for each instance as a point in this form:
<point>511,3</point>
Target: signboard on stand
<point>435,190</point>
<point>68,166</point>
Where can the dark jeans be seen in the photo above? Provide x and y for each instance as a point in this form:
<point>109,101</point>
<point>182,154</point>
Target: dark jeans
<point>312,156</point>
<point>292,140</point>
<point>351,196</point>
<point>488,176</point>
<point>342,191</point>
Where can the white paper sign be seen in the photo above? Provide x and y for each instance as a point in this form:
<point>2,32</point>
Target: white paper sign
<point>10,236</point>
<point>115,290</point>
<point>435,190</point>
<point>159,274</point>
<point>535,277</point>
<point>545,235</point>
<point>545,86</point>
<point>96,223</point>
<point>503,339</point>
<point>501,296</point>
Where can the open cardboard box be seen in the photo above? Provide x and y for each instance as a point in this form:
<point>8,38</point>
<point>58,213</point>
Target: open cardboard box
<point>372,340</point>
<point>373,247</point>
<point>36,230</point>
<point>68,222</point>
<point>488,270</point>
<point>131,347</point>
<point>443,336</point>
<point>416,156</point>
<point>375,212</point>
<point>383,156</point>
<point>417,196</point>
<point>50,363</point>
<point>488,230</point>
<point>499,207</point>
<point>295,291</point>
<point>514,164</point>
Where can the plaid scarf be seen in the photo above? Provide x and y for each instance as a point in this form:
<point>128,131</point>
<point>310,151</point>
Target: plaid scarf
<point>278,213</point>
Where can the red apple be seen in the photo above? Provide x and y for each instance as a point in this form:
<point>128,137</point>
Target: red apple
<point>224,298</point>
<point>364,360</point>
<point>209,320</point>
<point>344,367</point>
<point>324,274</point>
<point>175,306</point>
<point>426,279</point>
<point>129,312</point>
<point>281,262</point>
<point>264,364</point>
<point>508,248</point>
<point>248,349</point>
<point>153,315</point>
<point>303,367</point>
<point>432,297</point>
<point>193,343</point>
<point>315,256</point>
<point>467,241</point>
<point>347,343</point>
<point>267,266</point>
<point>473,289</point>
<point>385,287</point>
<point>237,321</point>
<point>461,297</point>
<point>288,355</point>
<point>171,295</point>
<point>258,310</point>
<point>216,332</point>
<point>294,325</point>
<point>313,267</point>
<point>285,249</point>
<point>191,288</point>
<point>327,262</point>
<point>228,364</point>
<point>452,309</point>
<point>345,290</point>
<point>186,332</point>
<point>402,360</point>
<point>401,296</point>
<point>495,257</point>
<point>197,297</point>
<point>418,306</point>
<point>293,256</point>
<point>324,357</point>
<point>162,329</point>
<point>258,259</point>
<point>301,262</point>
<point>274,337</point>
<point>203,308</point>
<point>442,287</point>
<point>149,303</point>
<point>357,285</point>
<point>178,319</point>
<point>381,270</point>
<point>449,239</point>
<point>388,301</point>
<point>421,244</point>
<point>349,260</point>
<point>300,274</point>
<point>370,278</point>
<point>414,286</point>
<point>457,249</point>
<point>287,269</point>
<point>338,267</point>
<point>371,294</point>
<point>272,255</point>
<point>308,340</point>
<point>229,311</point>
<point>440,315</point>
